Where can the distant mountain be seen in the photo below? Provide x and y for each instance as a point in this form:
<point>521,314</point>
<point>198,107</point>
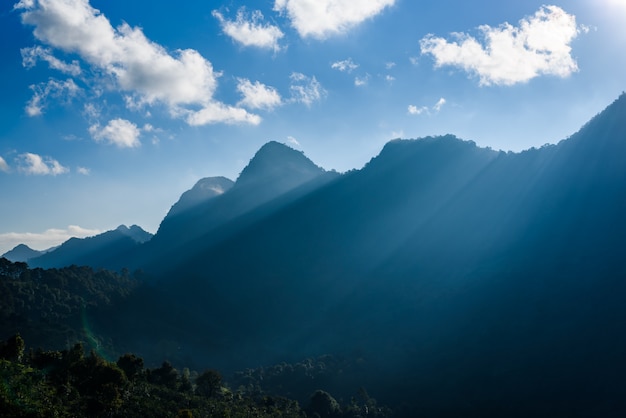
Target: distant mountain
<point>21,253</point>
<point>109,249</point>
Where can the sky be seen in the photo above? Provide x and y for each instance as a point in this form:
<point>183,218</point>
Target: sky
<point>110,109</point>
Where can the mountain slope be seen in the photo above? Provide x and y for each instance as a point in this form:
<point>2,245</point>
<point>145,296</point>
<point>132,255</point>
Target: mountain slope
<point>109,249</point>
<point>447,263</point>
<point>21,253</point>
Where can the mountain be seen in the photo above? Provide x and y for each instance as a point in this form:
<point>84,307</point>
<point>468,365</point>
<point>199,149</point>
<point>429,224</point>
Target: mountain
<point>476,282</point>
<point>21,253</point>
<point>275,176</point>
<point>109,249</point>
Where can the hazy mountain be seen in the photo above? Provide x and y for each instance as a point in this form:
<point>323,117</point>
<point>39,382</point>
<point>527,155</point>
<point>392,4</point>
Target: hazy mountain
<point>497,277</point>
<point>204,190</point>
<point>109,249</point>
<point>22,253</point>
<point>276,175</point>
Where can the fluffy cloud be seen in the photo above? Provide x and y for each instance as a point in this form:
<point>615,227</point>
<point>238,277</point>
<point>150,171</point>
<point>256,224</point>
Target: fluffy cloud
<point>63,90</point>
<point>139,66</point>
<point>120,132</point>
<point>414,110</point>
<point>257,95</point>
<point>44,240</point>
<point>305,89</point>
<point>249,30</point>
<point>345,65</point>
<point>323,18</point>
<point>3,165</point>
<point>29,163</point>
<point>83,170</point>
<point>30,56</point>
<point>540,45</point>
<point>361,81</point>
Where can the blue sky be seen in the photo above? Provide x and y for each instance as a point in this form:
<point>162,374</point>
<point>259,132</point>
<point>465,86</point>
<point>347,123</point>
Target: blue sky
<point>110,109</point>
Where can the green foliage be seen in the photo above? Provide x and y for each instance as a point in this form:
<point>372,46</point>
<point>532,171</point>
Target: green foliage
<point>48,307</point>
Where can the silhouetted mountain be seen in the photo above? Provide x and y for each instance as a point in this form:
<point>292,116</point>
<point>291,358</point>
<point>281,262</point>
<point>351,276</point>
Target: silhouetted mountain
<point>22,253</point>
<point>493,279</point>
<point>473,282</point>
<point>109,249</point>
<point>276,175</point>
<point>202,191</point>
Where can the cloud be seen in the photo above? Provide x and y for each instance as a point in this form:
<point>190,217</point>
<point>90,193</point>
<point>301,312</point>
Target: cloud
<point>249,30</point>
<point>44,240</point>
<point>3,165</point>
<point>184,81</point>
<point>29,163</point>
<point>345,66</point>
<point>390,65</point>
<point>414,110</point>
<point>389,78</point>
<point>361,81</point>
<point>436,108</point>
<point>305,89</point>
<point>540,45</point>
<point>120,132</point>
<point>257,95</point>
<point>30,56</point>
<point>83,170</point>
<point>293,141</point>
<point>323,18</point>
<point>64,90</point>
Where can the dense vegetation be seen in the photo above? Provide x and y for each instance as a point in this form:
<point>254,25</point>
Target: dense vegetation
<point>48,307</point>
<point>71,383</point>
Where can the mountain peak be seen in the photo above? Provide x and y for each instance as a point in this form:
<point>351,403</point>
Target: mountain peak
<point>21,252</point>
<point>204,190</point>
<point>276,162</point>
<point>135,232</point>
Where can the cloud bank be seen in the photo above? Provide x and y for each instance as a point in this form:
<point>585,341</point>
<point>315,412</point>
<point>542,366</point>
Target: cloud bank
<point>323,18</point>
<point>184,81</point>
<point>43,240</point>
<point>539,45</point>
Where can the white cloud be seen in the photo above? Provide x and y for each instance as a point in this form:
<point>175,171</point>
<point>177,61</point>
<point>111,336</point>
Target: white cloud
<point>323,18</point>
<point>218,112</point>
<point>120,132</point>
<point>305,89</point>
<point>436,108</point>
<point>345,66</point>
<point>43,240</point>
<point>29,163</point>
<point>414,110</point>
<point>249,30</point>
<point>64,90</point>
<point>390,65</point>
<point>257,95</point>
<point>540,45</point>
<point>389,78</point>
<point>293,141</point>
<point>361,81</point>
<point>30,56</point>
<point>137,65</point>
<point>83,170</point>
<point>3,165</point>
<point>414,60</point>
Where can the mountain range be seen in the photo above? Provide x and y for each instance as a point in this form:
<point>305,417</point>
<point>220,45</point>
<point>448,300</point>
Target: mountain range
<point>492,278</point>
